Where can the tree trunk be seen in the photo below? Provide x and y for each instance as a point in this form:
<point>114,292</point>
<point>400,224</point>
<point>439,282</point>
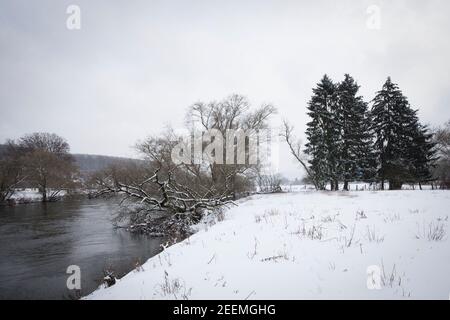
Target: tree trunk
<point>345,185</point>
<point>382,184</point>
<point>395,185</point>
<point>420,186</point>
<point>44,195</point>
<point>43,190</point>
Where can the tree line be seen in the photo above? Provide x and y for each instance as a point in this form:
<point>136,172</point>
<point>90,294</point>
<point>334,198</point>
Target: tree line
<point>348,141</point>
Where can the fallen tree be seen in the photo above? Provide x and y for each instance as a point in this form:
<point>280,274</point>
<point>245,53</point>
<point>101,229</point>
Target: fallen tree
<point>157,204</point>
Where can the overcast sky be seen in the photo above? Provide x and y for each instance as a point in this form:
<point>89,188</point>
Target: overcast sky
<point>134,66</point>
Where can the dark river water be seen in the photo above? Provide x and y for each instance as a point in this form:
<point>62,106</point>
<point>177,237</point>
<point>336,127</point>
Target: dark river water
<point>39,241</point>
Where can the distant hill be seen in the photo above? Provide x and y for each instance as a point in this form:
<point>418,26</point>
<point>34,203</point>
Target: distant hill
<point>89,163</point>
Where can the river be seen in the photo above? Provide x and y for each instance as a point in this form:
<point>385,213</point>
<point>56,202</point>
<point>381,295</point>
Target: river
<point>39,241</point>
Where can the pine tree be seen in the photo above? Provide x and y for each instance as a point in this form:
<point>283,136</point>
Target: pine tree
<point>355,156</point>
<point>322,134</point>
<point>423,156</point>
<point>400,142</point>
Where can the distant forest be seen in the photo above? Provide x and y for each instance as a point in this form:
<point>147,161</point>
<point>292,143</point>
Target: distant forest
<point>89,163</point>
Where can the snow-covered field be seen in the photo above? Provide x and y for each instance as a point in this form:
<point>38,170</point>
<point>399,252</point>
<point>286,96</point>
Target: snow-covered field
<point>307,245</point>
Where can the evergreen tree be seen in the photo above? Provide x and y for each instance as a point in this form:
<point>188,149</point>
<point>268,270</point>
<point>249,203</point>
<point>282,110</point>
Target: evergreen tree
<point>322,133</point>
<point>346,142</point>
<point>423,156</point>
<point>399,139</point>
<point>355,156</point>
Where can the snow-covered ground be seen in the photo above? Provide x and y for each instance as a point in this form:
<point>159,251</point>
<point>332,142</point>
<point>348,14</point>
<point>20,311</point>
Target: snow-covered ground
<point>353,186</point>
<point>32,195</point>
<point>307,245</point>
<point>27,195</point>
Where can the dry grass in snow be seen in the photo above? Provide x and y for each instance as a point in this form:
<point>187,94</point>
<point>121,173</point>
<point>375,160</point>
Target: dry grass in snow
<point>307,245</point>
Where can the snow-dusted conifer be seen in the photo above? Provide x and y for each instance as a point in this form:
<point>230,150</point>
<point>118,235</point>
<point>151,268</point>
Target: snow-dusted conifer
<point>322,133</point>
<point>402,145</point>
<point>355,156</point>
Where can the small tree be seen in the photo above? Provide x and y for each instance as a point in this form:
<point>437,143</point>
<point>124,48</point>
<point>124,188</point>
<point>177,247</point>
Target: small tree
<point>269,182</point>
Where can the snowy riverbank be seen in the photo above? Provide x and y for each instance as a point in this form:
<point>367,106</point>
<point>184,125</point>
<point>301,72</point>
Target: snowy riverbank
<point>29,195</point>
<point>307,245</point>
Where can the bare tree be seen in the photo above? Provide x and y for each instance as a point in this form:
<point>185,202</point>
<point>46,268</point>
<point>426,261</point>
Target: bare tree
<point>442,170</point>
<point>269,183</point>
<point>11,171</point>
<point>295,148</point>
<point>233,113</point>
<point>47,163</point>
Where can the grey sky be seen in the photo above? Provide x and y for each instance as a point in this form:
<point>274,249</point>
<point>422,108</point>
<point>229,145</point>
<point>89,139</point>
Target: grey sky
<point>136,65</point>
